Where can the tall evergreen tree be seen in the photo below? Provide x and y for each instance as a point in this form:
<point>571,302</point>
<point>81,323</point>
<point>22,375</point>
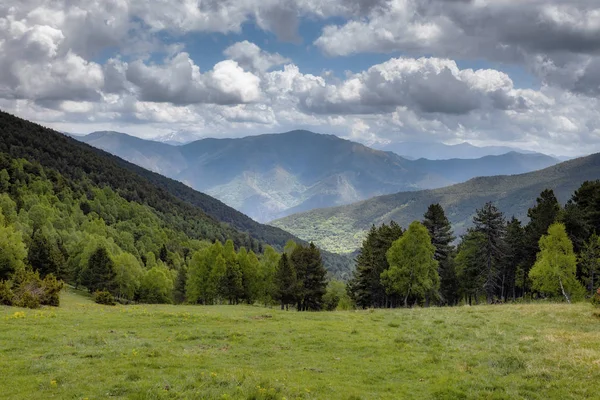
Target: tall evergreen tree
<point>513,271</point>
<point>100,272</point>
<point>315,280</point>
<point>441,234</point>
<point>590,262</point>
<point>285,282</point>
<point>365,287</point>
<point>490,222</point>
<point>545,212</point>
<point>470,265</point>
<point>44,256</point>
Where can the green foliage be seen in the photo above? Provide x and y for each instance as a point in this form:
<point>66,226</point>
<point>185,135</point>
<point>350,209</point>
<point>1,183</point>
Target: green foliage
<point>365,287</point>
<point>413,269</point>
<point>6,293</point>
<point>44,255</point>
<point>104,297</point>
<point>128,275</point>
<point>469,261</point>
<point>336,297</point>
<point>554,272</point>
<point>311,277</point>
<point>286,282</point>
<point>157,286</point>
<point>590,262</point>
<point>12,251</point>
<point>441,234</point>
<point>30,291</point>
<point>100,272</point>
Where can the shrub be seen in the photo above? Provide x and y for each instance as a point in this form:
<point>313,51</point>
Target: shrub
<point>6,293</point>
<point>104,297</point>
<point>30,291</point>
<point>596,298</point>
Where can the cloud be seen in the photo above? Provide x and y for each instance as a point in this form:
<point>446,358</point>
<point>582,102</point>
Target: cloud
<point>425,85</point>
<point>179,81</point>
<point>250,57</point>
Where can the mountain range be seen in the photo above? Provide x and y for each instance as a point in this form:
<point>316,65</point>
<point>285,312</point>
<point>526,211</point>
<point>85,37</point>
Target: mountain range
<point>274,175</point>
<point>441,151</point>
<point>341,229</point>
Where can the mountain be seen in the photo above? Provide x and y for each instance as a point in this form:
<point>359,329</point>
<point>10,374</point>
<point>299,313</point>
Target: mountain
<point>341,229</point>
<point>178,206</point>
<point>441,151</point>
<point>274,175</point>
<point>178,138</point>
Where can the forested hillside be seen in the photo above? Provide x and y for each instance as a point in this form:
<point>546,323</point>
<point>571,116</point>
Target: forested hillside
<point>342,229</point>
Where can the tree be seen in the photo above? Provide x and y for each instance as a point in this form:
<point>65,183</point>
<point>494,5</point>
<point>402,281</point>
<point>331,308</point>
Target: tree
<point>441,234</point>
<point>413,268</point>
<point>216,280</point>
<point>128,275</point>
<point>514,271</point>
<point>286,282</point>
<point>157,286</point>
<point>555,269</point>
<point>314,279</point>
<point>12,251</point>
<point>44,255</point>
<point>470,264</point>
<point>365,287</point>
<point>545,212</point>
<point>196,287</point>
<point>336,297</point>
<point>266,275</point>
<point>100,272</point>
<point>490,222</point>
<point>590,261</point>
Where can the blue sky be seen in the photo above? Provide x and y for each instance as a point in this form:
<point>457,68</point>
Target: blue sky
<point>522,73</point>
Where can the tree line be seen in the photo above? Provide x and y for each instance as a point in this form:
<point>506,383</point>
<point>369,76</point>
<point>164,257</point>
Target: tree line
<point>556,254</point>
<point>93,238</point>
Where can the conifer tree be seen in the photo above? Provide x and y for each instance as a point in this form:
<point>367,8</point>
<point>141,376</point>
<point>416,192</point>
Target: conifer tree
<point>590,262</point>
<point>44,256</point>
<point>441,234</point>
<point>490,222</point>
<point>315,279</point>
<point>513,269</point>
<point>286,283</point>
<point>100,272</point>
<point>545,212</point>
<point>470,262</point>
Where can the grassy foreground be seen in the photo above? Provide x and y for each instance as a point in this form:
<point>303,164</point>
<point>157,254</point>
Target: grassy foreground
<point>83,350</point>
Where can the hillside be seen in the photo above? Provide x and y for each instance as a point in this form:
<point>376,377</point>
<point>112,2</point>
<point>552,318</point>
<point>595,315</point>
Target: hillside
<point>341,229</point>
<point>178,206</point>
<point>274,175</point>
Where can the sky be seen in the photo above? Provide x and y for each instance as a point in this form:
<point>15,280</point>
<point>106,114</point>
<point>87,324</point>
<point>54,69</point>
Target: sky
<point>524,73</point>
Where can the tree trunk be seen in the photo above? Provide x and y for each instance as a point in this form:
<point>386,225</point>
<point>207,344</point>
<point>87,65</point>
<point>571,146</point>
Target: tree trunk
<point>563,290</point>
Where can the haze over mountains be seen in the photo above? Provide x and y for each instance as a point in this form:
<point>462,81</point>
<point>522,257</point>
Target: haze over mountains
<point>275,175</point>
<point>441,151</point>
<point>341,229</point>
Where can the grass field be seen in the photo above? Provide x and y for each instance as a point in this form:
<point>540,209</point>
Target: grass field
<point>86,351</point>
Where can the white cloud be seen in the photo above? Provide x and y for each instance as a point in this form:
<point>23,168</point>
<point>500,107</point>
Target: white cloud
<point>251,57</point>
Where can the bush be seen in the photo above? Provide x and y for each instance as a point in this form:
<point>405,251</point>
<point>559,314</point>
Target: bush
<point>30,291</point>
<point>596,298</point>
<point>104,297</point>
<point>6,293</point>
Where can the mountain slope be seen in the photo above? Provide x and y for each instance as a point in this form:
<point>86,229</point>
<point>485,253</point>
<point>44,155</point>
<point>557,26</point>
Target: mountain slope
<point>270,176</point>
<point>195,213</point>
<point>342,228</point>
<point>441,151</point>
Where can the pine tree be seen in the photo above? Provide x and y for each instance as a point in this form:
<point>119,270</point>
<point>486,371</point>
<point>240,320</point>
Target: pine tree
<point>441,234</point>
<point>286,283</point>
<point>545,212</point>
<point>315,280</point>
<point>513,270</point>
<point>413,269</point>
<point>555,269</point>
<point>490,222</point>
<point>590,262</point>
<point>100,272</point>
<point>470,265</point>
<point>44,256</point>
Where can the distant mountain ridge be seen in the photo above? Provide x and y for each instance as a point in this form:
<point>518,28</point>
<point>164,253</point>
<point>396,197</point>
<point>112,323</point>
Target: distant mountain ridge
<point>341,229</point>
<point>273,175</point>
<point>441,151</point>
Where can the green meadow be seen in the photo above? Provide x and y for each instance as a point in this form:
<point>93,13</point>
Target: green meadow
<point>82,350</point>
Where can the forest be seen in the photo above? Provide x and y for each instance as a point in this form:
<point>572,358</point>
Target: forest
<point>555,255</point>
